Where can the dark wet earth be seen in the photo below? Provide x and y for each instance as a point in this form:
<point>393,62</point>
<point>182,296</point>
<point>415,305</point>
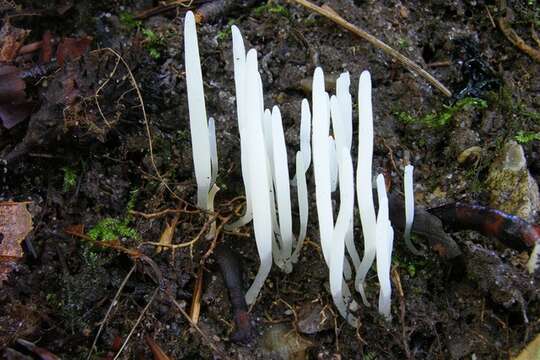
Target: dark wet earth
<point>84,160</point>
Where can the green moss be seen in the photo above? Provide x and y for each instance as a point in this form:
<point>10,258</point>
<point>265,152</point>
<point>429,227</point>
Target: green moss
<point>70,178</point>
<point>369,356</point>
<point>524,137</point>
<point>153,42</point>
<point>128,20</point>
<point>404,43</point>
<point>225,34</point>
<point>271,8</point>
<point>109,229</point>
<point>443,117</point>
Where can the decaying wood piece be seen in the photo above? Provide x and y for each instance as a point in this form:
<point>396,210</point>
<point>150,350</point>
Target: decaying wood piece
<point>425,225</point>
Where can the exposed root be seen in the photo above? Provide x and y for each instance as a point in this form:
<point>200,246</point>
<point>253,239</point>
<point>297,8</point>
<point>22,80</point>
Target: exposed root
<point>514,38</point>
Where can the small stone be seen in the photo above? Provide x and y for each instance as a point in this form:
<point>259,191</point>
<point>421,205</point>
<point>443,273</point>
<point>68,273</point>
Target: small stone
<point>283,342</point>
<point>512,188</point>
<point>313,318</point>
<point>470,156</point>
<point>462,139</point>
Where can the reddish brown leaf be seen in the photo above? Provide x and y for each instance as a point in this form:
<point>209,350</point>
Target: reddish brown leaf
<point>71,49</point>
<point>76,230</point>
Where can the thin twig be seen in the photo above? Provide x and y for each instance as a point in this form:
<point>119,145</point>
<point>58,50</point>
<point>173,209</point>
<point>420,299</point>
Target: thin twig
<point>490,17</point>
<point>408,63</point>
<point>184,244</point>
<point>146,124</point>
<point>137,322</point>
<point>196,327</point>
<point>162,213</point>
<point>404,335</point>
<point>163,8</point>
<point>96,96</point>
<point>113,303</point>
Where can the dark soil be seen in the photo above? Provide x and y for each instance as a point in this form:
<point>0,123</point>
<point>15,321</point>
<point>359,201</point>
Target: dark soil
<point>84,166</point>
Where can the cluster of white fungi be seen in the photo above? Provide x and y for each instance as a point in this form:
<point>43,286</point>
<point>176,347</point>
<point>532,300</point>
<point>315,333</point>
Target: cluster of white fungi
<point>266,176</point>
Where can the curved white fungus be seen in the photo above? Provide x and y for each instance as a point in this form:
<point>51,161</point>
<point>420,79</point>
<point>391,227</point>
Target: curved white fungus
<point>321,163</point>
<point>363,180</point>
<point>258,169</point>
<point>409,208</point>
<point>198,121</point>
<point>282,186</point>
<point>385,236</point>
<point>303,206</point>
<point>239,58</point>
<point>338,288</point>
<point>305,133</point>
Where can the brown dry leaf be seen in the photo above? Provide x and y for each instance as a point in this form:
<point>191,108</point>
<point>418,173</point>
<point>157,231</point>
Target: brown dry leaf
<point>15,225</point>
<point>72,48</point>
<point>531,352</point>
<point>168,233</point>
<point>11,40</point>
<point>195,310</point>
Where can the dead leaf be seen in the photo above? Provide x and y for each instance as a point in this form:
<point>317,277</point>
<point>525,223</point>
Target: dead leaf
<point>72,48</point>
<point>15,225</point>
<point>168,233</point>
<point>195,309</point>
<point>531,352</point>
<point>11,40</point>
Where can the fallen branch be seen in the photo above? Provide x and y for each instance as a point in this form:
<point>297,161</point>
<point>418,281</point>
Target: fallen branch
<point>405,61</point>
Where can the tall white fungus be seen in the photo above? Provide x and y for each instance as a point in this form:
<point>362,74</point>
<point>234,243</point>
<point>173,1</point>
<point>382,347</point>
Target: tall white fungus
<point>385,238</point>
<point>198,122</point>
<point>363,180</point>
<point>258,170</point>
<point>409,208</point>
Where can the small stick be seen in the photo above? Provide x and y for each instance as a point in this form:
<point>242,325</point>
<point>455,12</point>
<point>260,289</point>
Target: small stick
<point>490,17</point>
<point>195,309</point>
<point>404,336</point>
<point>196,327</point>
<point>162,213</point>
<point>137,323</point>
<point>408,63</point>
<point>113,303</point>
<point>439,64</point>
<point>163,8</point>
